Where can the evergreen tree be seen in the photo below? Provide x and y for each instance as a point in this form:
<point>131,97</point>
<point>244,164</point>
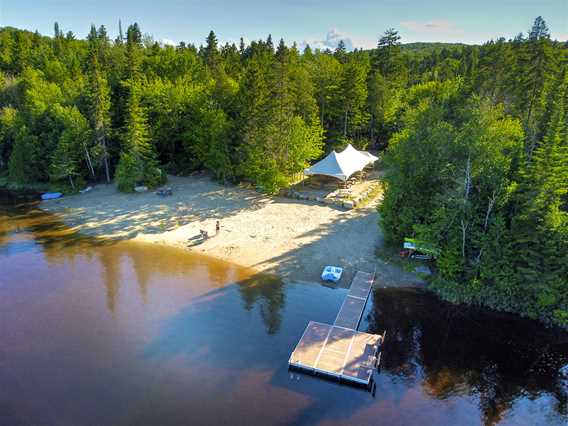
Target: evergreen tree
<point>383,101</point>
<point>281,84</point>
<point>65,161</point>
<point>497,70</point>
<point>133,52</point>
<point>539,228</point>
<point>211,52</point>
<point>120,38</point>
<point>98,95</point>
<point>340,52</point>
<point>388,58</point>
<point>538,64</point>
<point>138,162</point>
<point>57,37</point>
<point>353,98</point>
<point>327,72</point>
<point>57,33</point>
<point>22,167</point>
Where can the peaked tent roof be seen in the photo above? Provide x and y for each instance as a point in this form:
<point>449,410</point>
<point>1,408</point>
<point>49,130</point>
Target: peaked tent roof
<point>343,164</point>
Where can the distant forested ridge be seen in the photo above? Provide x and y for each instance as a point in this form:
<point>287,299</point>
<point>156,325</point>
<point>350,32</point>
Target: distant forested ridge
<point>474,137</point>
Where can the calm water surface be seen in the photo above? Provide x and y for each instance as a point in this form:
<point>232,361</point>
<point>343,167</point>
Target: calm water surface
<point>126,333</point>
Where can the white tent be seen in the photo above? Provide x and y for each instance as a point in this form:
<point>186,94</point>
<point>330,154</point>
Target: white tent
<point>343,164</point>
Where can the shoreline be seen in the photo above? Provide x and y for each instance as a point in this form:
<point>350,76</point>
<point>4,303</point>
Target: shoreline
<point>289,238</point>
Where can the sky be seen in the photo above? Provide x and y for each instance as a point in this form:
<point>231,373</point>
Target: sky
<point>320,23</point>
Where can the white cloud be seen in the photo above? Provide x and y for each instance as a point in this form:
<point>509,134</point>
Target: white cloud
<point>435,30</point>
<point>559,36</point>
<point>167,42</point>
<point>332,39</point>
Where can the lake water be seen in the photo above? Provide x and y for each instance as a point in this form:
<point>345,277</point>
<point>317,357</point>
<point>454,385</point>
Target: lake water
<point>127,333</point>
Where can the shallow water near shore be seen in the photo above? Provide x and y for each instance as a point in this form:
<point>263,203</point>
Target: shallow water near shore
<point>130,333</point>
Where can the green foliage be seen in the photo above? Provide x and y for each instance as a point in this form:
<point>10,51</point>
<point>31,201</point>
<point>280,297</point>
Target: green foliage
<point>475,136</point>
<point>353,98</point>
<point>388,56</point>
<point>128,172</point>
<point>8,131</point>
<point>98,97</point>
<point>72,146</point>
<point>462,174</point>
<point>137,143</point>
<point>278,151</point>
<point>25,153</point>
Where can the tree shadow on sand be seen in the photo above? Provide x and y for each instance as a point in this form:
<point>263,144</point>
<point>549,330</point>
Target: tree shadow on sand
<point>123,216</point>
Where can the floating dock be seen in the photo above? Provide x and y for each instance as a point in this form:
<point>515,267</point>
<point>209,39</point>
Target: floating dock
<point>339,350</point>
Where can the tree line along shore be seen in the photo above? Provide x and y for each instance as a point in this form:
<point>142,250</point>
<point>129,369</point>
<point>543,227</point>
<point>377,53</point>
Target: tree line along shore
<point>474,138</point>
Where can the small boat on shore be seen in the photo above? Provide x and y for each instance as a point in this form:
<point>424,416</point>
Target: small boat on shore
<point>51,195</point>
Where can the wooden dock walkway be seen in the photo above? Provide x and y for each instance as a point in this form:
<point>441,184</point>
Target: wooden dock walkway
<point>353,306</point>
<point>339,350</point>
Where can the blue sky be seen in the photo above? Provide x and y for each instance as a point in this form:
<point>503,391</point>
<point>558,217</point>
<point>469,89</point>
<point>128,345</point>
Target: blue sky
<point>321,23</point>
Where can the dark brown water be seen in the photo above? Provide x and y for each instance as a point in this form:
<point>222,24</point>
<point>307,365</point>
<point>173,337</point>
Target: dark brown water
<point>126,333</point>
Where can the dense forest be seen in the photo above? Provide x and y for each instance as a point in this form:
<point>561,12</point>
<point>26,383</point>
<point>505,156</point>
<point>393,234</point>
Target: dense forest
<point>475,138</point>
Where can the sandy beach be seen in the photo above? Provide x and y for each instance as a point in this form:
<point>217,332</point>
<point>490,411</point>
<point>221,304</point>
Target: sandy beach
<point>291,238</point>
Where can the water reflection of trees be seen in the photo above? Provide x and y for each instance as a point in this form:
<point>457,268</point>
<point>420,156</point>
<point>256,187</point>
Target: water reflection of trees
<point>455,350</point>
<point>149,262</point>
<point>268,292</point>
<point>110,262</point>
<point>60,244</point>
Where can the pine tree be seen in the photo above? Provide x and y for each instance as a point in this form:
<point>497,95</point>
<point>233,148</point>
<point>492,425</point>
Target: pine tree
<point>65,160</point>
<point>539,30</point>
<point>538,64</point>
<point>354,95</point>
<point>98,96</point>
<point>496,71</point>
<point>254,96</point>
<point>211,52</point>
<point>120,38</point>
<point>133,52</point>
<point>57,33</point>
<point>281,84</point>
<point>326,71</point>
<point>138,161</point>
<point>539,227</point>
<point>73,147</point>
<point>302,87</point>
<point>388,58</point>
<point>340,52</point>
<point>57,37</point>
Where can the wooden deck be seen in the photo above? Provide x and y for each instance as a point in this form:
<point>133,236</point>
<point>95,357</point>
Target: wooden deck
<point>339,350</point>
